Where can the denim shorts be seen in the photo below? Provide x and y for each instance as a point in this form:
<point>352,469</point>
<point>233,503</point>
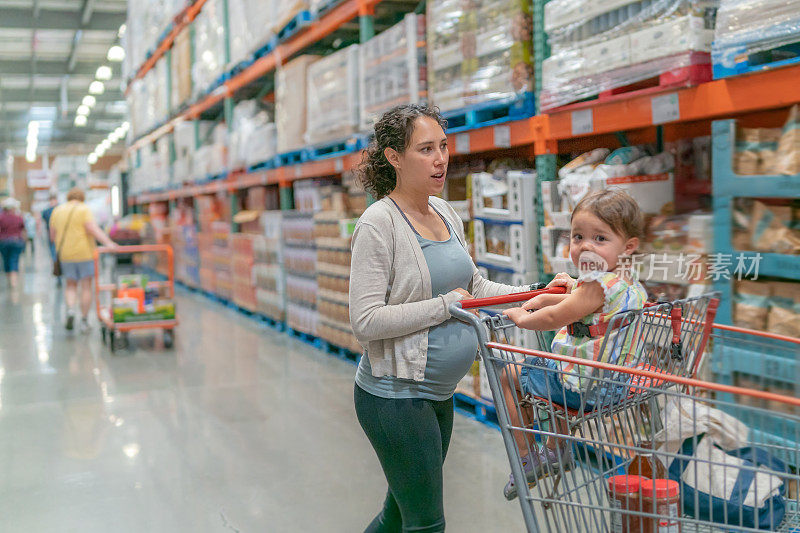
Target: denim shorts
<point>541,377</point>
<point>77,270</point>
<point>11,249</point>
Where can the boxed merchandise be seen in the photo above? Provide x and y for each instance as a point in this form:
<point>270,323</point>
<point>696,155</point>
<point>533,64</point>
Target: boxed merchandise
<point>784,312</point>
<point>392,69</point>
<point>209,46</point>
<point>332,94</point>
<point>597,47</point>
<point>252,137</point>
<point>479,51</point>
<point>771,226</point>
<point>756,151</point>
<point>291,103</point>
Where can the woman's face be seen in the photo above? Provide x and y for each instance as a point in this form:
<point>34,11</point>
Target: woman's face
<point>422,168</point>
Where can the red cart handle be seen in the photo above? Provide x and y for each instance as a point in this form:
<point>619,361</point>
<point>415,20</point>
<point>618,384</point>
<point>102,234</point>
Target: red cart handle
<point>508,298</point>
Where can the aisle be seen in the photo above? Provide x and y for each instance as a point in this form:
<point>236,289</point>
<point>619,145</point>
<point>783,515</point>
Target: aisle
<point>240,429</point>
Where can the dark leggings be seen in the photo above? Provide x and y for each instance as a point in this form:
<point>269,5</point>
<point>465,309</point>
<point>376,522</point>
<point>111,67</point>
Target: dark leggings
<point>411,437</point>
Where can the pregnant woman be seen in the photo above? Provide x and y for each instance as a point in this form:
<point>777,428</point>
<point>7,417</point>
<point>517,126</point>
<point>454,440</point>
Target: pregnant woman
<point>409,263</point>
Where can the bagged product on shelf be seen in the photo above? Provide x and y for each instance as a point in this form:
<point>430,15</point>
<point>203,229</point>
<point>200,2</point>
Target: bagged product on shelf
<point>250,138</point>
<point>788,153</point>
<point>479,51</point>
<point>598,46</point>
<point>392,69</point>
<point>332,96</point>
<point>756,151</point>
<point>209,46</point>
<point>751,304</point>
<point>772,229</point>
<point>784,311</point>
<point>291,103</point>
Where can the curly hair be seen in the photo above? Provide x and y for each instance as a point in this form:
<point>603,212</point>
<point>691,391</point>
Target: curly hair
<point>393,130</point>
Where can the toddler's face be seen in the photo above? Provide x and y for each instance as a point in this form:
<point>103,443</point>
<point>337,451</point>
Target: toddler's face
<point>589,234</point>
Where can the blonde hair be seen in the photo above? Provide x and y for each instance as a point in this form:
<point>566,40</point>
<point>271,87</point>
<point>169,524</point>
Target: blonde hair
<point>616,208</point>
<point>76,193</point>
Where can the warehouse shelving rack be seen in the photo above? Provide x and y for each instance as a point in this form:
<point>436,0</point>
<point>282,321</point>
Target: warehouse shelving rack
<point>627,118</point>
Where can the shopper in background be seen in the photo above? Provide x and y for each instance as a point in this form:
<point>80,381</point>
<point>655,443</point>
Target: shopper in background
<point>409,263</point>
<point>73,229</point>
<point>30,228</point>
<point>12,238</point>
<point>46,214</point>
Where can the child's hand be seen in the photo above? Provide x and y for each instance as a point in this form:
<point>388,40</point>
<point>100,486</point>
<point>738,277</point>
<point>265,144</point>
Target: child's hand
<point>518,315</point>
<point>539,301</point>
<point>562,279</point>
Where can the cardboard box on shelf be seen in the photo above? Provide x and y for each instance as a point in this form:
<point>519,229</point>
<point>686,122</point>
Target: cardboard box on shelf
<point>291,102</point>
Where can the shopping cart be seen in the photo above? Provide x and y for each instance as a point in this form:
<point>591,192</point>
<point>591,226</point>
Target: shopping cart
<point>644,413</point>
<point>114,332</point>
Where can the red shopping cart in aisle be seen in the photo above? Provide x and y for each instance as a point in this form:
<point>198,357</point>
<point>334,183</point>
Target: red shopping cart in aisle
<point>127,299</point>
<point>651,448</point>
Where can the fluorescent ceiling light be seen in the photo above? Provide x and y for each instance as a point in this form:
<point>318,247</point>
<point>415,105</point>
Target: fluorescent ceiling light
<point>33,126</point>
<point>92,159</point>
<point>89,100</point>
<point>116,53</point>
<point>83,109</point>
<point>97,87</point>
<point>121,30</point>
<point>103,73</point>
<point>106,144</point>
<point>80,120</point>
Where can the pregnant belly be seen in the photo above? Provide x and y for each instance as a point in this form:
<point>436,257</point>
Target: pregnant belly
<point>452,347</point>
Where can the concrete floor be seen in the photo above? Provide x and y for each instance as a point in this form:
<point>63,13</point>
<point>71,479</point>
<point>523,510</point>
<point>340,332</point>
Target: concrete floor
<point>239,428</point>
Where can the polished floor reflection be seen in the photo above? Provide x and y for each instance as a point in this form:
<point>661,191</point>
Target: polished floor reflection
<point>238,428</point>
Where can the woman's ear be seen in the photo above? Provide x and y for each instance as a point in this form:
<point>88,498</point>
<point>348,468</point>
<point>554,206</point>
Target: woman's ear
<point>393,157</point>
<point>631,245</point>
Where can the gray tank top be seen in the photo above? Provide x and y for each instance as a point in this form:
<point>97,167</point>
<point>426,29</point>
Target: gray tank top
<point>452,345</point>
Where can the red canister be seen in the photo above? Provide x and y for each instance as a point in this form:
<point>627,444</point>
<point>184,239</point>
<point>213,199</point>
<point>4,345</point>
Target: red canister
<point>661,497</point>
<point>623,494</point>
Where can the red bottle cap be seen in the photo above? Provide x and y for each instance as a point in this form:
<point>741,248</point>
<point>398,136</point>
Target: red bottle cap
<point>624,484</point>
<point>660,488</point>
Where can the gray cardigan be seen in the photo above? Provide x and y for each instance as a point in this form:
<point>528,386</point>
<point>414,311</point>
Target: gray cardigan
<point>391,305</point>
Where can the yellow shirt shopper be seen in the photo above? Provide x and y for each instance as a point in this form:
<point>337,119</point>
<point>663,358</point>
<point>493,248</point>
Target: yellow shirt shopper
<point>73,241</point>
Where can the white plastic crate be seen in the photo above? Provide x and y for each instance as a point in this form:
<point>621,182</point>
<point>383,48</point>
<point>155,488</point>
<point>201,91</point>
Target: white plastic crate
<point>554,262</point>
<point>506,244</point>
<point>517,201</point>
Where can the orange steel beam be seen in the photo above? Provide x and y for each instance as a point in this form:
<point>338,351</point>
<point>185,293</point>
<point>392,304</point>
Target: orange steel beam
<point>181,21</point>
<point>730,96</point>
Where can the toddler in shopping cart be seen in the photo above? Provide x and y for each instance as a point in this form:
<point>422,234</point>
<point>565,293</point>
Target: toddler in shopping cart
<point>605,230</point>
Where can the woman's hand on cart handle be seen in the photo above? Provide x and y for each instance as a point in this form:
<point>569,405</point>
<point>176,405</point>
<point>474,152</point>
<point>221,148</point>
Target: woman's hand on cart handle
<point>467,296</point>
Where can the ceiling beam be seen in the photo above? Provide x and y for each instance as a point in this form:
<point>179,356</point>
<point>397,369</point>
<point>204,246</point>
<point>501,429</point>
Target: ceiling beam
<point>44,67</point>
<point>23,117</point>
<point>53,96</point>
<point>59,19</point>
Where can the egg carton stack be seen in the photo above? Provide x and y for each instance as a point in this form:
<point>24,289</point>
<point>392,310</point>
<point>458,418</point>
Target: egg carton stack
<point>393,69</point>
<point>600,46</point>
<point>479,51</point>
<point>504,230</point>
<point>332,233</point>
<point>300,263</point>
<point>268,271</point>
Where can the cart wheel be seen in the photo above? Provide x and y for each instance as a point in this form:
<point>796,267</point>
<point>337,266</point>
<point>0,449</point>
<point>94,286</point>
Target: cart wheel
<point>112,340</point>
<point>169,338</point>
